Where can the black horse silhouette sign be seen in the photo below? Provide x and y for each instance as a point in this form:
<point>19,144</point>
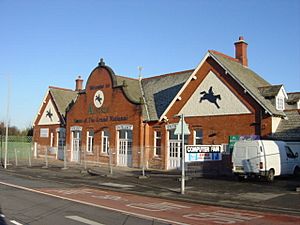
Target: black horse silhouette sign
<point>99,99</point>
<point>210,96</point>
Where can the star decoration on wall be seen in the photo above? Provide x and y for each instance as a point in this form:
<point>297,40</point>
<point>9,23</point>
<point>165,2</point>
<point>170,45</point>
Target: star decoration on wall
<point>49,114</point>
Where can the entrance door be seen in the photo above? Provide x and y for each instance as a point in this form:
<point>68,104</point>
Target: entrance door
<point>76,146</point>
<point>125,148</point>
<point>174,154</point>
<point>61,142</point>
<point>174,150</point>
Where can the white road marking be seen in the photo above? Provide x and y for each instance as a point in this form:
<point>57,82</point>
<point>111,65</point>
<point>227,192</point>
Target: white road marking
<point>94,205</point>
<point>15,222</point>
<point>117,185</point>
<point>223,217</point>
<point>83,220</point>
<point>155,207</point>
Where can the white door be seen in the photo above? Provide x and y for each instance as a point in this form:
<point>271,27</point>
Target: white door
<point>174,150</point>
<point>76,146</point>
<point>125,148</point>
<point>61,142</point>
<point>174,154</point>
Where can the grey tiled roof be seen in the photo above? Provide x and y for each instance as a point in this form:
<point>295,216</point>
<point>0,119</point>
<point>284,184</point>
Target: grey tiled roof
<point>249,79</point>
<point>62,98</point>
<point>161,90</point>
<point>270,91</point>
<point>131,88</point>
<point>289,129</point>
<point>293,97</point>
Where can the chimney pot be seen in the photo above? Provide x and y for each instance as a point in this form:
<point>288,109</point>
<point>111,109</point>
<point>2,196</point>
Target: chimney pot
<point>79,82</point>
<point>241,51</point>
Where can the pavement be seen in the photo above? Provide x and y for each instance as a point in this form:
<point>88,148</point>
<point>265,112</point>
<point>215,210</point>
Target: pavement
<point>281,196</point>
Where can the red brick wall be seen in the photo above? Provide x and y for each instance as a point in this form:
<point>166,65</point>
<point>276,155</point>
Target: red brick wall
<point>116,105</point>
<point>216,129</point>
<point>44,143</point>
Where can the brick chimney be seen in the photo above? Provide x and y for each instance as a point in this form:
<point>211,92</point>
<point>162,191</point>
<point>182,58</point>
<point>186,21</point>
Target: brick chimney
<point>241,51</point>
<point>78,84</point>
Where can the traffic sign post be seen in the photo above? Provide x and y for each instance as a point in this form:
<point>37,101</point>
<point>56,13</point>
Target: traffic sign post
<point>182,129</point>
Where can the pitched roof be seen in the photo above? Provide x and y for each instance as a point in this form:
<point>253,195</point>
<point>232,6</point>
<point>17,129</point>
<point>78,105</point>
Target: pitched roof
<point>131,88</point>
<point>62,98</point>
<point>289,129</point>
<point>270,91</point>
<point>293,97</point>
<point>248,79</point>
<point>160,91</point>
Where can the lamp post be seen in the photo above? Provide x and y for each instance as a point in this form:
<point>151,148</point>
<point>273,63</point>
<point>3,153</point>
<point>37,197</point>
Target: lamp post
<point>182,129</point>
<point>7,122</point>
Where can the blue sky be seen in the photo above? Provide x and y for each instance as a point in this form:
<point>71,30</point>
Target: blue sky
<point>49,43</point>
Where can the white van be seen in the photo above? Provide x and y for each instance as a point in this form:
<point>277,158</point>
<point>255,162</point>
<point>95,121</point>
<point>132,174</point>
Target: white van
<point>264,158</point>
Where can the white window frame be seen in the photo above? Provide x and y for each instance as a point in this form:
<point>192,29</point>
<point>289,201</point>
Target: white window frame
<point>104,139</point>
<point>280,103</point>
<point>89,141</point>
<point>155,142</point>
<point>197,138</point>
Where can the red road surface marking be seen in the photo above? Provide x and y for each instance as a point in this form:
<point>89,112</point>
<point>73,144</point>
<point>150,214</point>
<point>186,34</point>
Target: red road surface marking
<point>172,211</point>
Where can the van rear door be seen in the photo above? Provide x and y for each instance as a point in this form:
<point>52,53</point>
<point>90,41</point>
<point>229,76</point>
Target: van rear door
<point>246,158</point>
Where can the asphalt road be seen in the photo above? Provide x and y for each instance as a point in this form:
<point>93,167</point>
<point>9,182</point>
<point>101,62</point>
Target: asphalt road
<point>36,196</point>
<point>20,207</point>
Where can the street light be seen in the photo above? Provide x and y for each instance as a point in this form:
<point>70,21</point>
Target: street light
<point>182,128</point>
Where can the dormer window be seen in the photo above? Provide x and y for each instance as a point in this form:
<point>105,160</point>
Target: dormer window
<point>280,103</point>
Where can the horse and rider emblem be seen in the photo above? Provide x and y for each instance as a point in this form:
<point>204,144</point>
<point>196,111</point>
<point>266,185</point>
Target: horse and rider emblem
<point>210,96</point>
<point>98,98</point>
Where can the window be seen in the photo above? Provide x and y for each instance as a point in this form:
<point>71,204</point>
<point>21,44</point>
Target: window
<point>280,103</point>
<point>198,137</point>
<point>289,152</point>
<point>90,141</point>
<point>157,143</point>
<point>44,132</point>
<point>105,141</point>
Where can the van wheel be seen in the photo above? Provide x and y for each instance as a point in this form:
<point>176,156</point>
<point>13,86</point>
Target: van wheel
<point>239,178</point>
<point>297,172</point>
<point>270,176</point>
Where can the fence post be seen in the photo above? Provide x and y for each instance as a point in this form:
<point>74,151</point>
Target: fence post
<point>46,158</point>
<point>84,159</point>
<point>110,161</point>
<point>29,156</point>
<point>16,157</point>
<point>65,157</point>
<point>35,150</point>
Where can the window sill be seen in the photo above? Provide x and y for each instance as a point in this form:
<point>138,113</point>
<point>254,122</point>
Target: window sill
<point>89,153</point>
<point>157,157</point>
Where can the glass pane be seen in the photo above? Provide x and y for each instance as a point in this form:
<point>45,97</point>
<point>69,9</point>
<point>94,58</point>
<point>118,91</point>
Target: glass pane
<point>122,134</point>
<point>129,134</point>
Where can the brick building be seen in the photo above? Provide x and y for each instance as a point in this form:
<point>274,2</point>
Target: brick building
<point>125,116</point>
